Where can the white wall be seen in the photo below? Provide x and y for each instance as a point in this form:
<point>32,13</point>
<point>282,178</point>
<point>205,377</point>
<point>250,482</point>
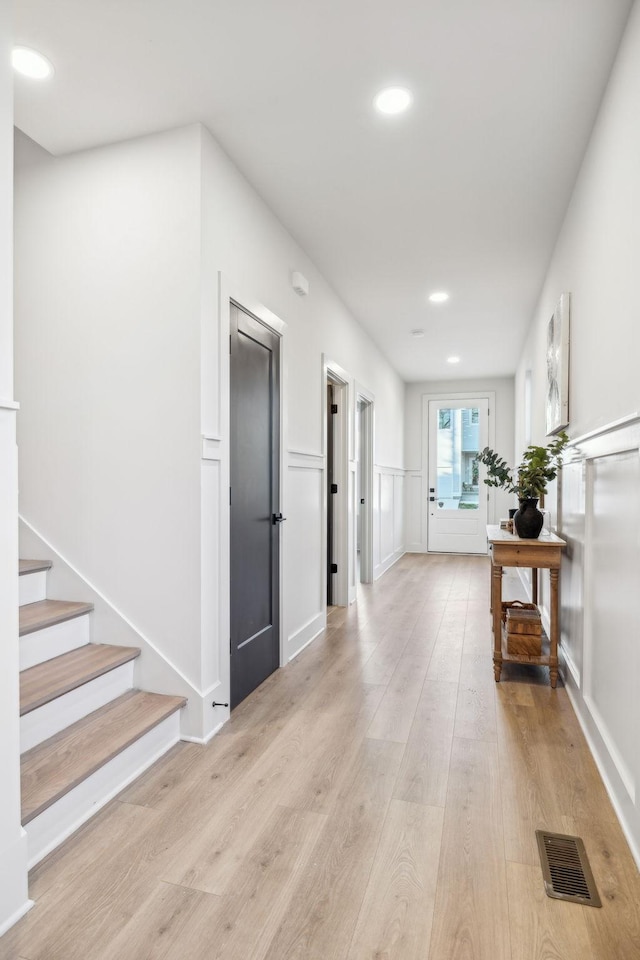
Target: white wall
<point>416,432</point>
<point>596,261</point>
<point>13,849</point>
<point>124,257</point>
<point>249,249</point>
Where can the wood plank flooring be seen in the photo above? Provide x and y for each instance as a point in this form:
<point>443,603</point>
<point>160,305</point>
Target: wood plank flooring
<point>375,800</point>
<point>53,678</point>
<point>57,765</point>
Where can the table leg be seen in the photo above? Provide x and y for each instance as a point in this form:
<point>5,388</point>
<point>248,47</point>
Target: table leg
<point>554,576</point>
<point>496,608</point>
<point>534,585</point>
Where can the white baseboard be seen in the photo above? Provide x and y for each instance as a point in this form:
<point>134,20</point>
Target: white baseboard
<point>387,563</point>
<point>18,915</point>
<point>297,642</point>
<point>580,709</point>
<point>14,895</point>
<point>203,741</point>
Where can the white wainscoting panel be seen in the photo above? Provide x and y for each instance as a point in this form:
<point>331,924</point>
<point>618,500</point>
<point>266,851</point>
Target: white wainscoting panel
<point>572,593</point>
<point>600,519</point>
<point>612,680</point>
<point>398,512</point>
<point>210,509</point>
<point>388,540</point>
<point>386,517</point>
<point>413,512</point>
<point>304,550</point>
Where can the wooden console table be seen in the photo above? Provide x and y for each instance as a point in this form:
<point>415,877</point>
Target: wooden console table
<point>508,550</point>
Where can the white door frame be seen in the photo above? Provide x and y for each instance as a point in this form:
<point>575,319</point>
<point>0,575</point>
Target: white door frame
<point>490,396</point>
<point>343,384</point>
<point>366,468</point>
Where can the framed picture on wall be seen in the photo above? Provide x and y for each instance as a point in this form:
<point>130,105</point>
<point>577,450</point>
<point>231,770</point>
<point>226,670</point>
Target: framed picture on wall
<point>558,367</point>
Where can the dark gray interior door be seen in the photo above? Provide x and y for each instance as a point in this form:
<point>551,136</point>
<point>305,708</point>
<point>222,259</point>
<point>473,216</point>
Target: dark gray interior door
<point>255,495</point>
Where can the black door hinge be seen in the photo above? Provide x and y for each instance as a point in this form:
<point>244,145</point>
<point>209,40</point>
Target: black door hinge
<point>334,568</point>
<point>334,488</point>
<point>334,408</point>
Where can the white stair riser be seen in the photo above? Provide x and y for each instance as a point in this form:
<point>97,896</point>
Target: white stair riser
<point>53,641</point>
<point>45,721</point>
<point>63,818</point>
<point>32,587</point>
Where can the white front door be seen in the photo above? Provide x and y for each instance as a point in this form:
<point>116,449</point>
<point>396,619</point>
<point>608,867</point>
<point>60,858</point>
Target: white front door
<point>457,498</point>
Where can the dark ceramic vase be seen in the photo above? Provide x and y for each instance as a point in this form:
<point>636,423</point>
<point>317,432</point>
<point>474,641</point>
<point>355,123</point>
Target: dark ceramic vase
<point>528,520</point>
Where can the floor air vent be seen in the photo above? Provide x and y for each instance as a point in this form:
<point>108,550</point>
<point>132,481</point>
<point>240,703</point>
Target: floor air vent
<point>565,868</point>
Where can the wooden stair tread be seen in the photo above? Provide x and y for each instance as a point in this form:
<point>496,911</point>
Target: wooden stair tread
<point>46,613</point>
<point>55,767</point>
<point>53,678</point>
<point>33,566</point>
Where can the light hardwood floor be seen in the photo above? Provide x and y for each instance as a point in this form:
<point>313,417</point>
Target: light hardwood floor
<point>375,800</point>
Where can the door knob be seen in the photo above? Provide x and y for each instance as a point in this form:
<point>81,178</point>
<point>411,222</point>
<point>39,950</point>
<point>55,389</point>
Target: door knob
<point>277,518</point>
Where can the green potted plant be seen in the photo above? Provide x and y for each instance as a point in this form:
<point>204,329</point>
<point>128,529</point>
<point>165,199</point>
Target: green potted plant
<point>538,467</point>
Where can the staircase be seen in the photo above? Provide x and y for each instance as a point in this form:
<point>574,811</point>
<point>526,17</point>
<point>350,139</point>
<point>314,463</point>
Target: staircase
<point>85,731</point>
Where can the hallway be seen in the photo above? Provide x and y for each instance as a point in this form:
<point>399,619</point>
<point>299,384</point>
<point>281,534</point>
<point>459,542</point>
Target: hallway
<point>376,799</point>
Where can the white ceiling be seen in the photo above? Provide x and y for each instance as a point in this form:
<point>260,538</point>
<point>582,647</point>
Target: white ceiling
<point>466,192</point>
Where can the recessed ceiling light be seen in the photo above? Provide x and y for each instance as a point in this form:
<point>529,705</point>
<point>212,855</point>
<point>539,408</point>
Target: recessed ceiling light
<point>393,100</point>
<point>417,333</point>
<point>30,63</point>
<point>439,297</point>
<point>453,359</point>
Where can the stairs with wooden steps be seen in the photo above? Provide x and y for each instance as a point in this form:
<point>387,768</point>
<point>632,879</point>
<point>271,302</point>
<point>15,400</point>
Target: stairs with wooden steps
<point>85,731</point>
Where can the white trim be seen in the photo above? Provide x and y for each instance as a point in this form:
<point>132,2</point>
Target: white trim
<point>13,919</point>
<point>387,563</point>
<point>623,771</point>
<point>333,373</point>
<point>366,475</point>
<point>8,404</point>
<point>362,393</point>
<point>306,635</point>
<point>203,741</point>
<point>576,701</point>
<point>211,448</point>
<point>607,428</point>
<point>619,774</point>
<point>306,461</point>
<point>13,878</point>
<point>571,665</point>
